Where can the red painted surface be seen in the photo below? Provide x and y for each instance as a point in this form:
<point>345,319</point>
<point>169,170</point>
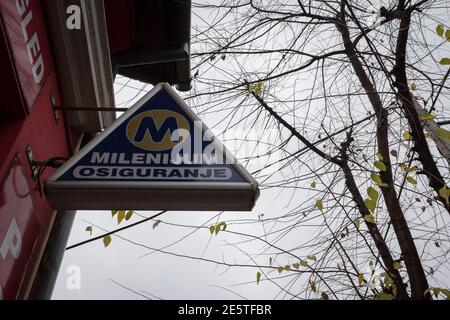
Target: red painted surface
<point>46,137</point>
<point>18,227</point>
<point>10,83</point>
<point>24,24</point>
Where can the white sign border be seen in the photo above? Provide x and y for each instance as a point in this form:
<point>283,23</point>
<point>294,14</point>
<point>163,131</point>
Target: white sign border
<point>52,182</point>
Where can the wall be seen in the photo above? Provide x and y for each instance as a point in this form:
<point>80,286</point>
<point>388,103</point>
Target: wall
<point>28,120</point>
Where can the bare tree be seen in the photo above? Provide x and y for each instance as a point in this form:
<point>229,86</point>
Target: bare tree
<point>339,81</point>
<point>329,101</point>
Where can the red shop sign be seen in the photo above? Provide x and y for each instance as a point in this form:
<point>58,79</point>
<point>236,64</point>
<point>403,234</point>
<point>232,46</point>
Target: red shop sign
<point>25,28</point>
<point>18,230</point>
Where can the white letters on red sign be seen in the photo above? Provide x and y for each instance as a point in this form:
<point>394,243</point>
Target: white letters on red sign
<point>33,47</point>
<point>12,242</point>
<point>21,6</point>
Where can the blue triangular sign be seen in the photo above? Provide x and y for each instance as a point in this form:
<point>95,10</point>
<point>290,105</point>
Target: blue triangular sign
<point>157,156</point>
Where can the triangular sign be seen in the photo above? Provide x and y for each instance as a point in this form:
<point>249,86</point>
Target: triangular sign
<point>157,156</point>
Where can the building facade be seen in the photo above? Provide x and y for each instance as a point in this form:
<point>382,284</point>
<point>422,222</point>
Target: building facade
<point>58,62</point>
<point>44,65</point>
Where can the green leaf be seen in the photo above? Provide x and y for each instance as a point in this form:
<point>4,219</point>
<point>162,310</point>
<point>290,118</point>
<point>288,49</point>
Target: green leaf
<point>443,134</point>
<point>89,229</point>
<point>369,218</point>
<point>432,291</point>
<point>440,30</point>
<point>384,296</point>
<point>304,263</point>
<point>258,277</point>
<point>312,258</point>
<point>312,284</point>
<point>287,267</point>
<point>427,116</point>
<point>250,88</point>
<point>410,169</point>
<point>224,225</point>
<point>372,265</point>
<point>270,259</point>
<point>157,222</point>
<point>387,279</point>
<point>129,215</point>
<point>258,88</point>
<point>370,204</point>
<point>413,86</point>
<point>445,61</point>
<point>280,269</point>
<point>379,156</point>
<point>373,194</point>
<point>360,279</point>
<point>436,292</point>
<point>380,165</point>
<point>113,212</point>
<point>411,180</point>
<point>319,205</point>
<point>313,184</point>
<point>447,35</point>
<point>296,265</point>
<point>446,292</point>
<point>407,135</point>
<point>220,226</point>
<point>376,178</point>
<point>444,193</point>
<point>120,216</point>
<point>384,185</point>
<point>106,240</point>
<point>357,223</point>
<point>397,265</point>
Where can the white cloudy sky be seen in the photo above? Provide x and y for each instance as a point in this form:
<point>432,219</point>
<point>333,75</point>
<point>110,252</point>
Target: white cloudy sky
<point>130,269</point>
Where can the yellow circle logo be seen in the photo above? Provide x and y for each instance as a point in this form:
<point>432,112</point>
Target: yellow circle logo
<point>152,130</point>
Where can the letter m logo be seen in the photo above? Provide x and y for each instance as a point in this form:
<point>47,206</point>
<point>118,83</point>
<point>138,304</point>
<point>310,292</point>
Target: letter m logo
<point>152,130</point>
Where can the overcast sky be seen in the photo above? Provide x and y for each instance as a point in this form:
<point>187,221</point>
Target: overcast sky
<point>130,268</point>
